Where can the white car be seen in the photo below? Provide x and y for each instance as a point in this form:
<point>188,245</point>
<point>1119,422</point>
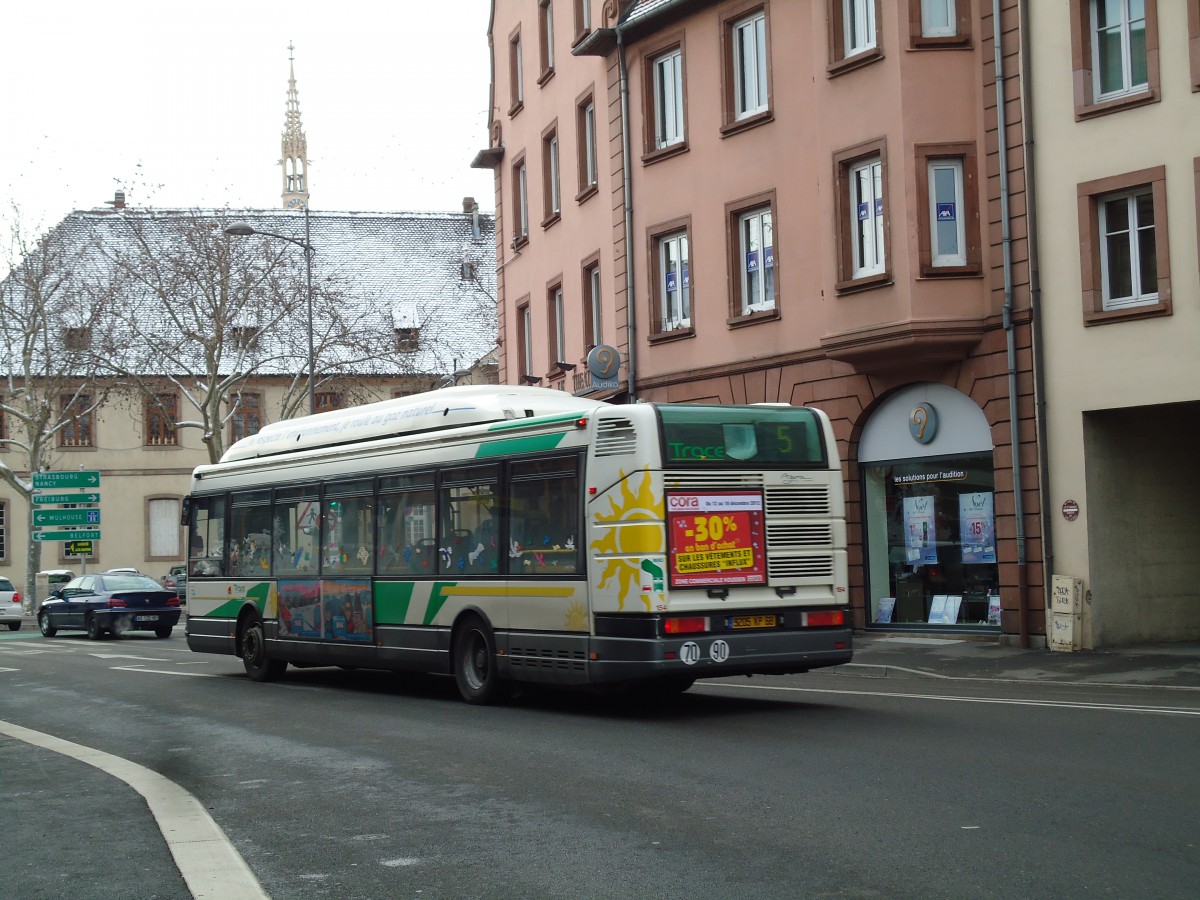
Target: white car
<point>10,605</point>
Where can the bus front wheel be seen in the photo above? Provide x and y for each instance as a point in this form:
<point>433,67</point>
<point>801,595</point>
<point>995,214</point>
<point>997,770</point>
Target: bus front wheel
<point>475,662</point>
<point>254,654</point>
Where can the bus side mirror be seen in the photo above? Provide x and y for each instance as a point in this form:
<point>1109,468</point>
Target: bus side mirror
<point>185,517</point>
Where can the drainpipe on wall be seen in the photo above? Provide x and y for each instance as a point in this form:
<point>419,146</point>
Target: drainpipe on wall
<point>1009,330</point>
<point>1035,300</point>
<point>627,190</point>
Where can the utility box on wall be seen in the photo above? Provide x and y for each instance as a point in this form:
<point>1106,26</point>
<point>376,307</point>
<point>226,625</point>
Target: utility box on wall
<point>1066,608</point>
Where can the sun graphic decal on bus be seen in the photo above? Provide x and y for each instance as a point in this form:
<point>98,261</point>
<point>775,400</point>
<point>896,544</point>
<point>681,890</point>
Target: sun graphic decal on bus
<point>631,530</point>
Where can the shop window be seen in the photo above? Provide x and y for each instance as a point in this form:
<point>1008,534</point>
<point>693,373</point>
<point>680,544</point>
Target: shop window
<point>932,542</point>
<point>1114,55</point>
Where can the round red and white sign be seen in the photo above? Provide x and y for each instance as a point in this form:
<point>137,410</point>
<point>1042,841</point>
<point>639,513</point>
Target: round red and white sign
<point>1070,510</point>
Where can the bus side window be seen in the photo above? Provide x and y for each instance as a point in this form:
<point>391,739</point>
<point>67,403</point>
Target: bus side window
<point>406,543</point>
<point>206,544</point>
<point>249,537</point>
<point>466,546</point>
<point>544,522</point>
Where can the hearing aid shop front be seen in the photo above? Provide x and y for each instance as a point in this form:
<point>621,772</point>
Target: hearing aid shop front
<point>930,537</point>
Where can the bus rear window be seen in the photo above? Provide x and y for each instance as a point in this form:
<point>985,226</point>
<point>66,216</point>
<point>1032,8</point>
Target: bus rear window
<point>728,436</point>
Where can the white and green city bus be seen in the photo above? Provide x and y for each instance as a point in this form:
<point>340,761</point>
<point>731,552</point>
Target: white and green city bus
<point>522,534</point>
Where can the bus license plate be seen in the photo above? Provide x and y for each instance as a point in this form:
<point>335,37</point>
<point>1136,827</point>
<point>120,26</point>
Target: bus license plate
<point>753,621</point>
<point>145,618</point>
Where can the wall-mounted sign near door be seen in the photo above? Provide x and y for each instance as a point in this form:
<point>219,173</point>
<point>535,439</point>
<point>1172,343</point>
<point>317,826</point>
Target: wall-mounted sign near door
<point>923,423</point>
<point>604,363</point>
<point>1070,510</point>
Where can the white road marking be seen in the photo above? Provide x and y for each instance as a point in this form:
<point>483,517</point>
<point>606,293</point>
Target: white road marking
<point>7,669</point>
<point>924,672</point>
<point>206,859</point>
<point>1049,704</point>
<point>126,656</point>
<point>163,671</point>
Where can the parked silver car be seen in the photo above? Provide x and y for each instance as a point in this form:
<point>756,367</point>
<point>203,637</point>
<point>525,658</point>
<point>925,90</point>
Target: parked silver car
<point>10,605</point>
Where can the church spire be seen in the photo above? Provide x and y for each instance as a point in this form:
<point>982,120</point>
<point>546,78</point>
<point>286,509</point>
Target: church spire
<point>295,147</point>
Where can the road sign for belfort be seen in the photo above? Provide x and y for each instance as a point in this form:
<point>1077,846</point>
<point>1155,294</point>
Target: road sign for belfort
<point>81,534</point>
<point>66,517</point>
<point>49,499</point>
<point>57,480</point>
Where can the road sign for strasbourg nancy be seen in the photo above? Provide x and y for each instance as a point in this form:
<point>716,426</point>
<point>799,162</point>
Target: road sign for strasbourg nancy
<point>80,534</point>
<point>48,499</point>
<point>66,517</point>
<point>66,479</point>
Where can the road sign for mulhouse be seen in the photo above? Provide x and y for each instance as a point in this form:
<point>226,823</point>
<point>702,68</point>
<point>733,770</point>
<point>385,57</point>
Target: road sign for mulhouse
<point>79,534</point>
<point>48,499</point>
<point>66,517</point>
<point>57,480</point>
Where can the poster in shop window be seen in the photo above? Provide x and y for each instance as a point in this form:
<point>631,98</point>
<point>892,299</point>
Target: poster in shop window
<point>977,529</point>
<point>716,538</point>
<point>920,531</point>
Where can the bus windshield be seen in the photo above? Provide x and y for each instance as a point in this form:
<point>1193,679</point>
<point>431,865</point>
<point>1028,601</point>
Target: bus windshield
<point>710,436</point>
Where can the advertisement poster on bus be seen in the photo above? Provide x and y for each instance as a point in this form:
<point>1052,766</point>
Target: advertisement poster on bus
<point>299,608</point>
<point>716,538</point>
<point>920,531</point>
<point>977,529</point>
<point>349,615</point>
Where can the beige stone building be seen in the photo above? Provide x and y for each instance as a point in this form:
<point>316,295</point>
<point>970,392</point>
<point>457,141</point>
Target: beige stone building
<point>802,201</point>
<point>1116,132</point>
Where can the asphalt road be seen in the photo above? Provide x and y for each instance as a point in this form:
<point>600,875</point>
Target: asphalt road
<point>343,784</point>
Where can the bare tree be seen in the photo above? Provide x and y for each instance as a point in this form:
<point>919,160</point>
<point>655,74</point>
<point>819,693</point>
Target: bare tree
<point>52,315</point>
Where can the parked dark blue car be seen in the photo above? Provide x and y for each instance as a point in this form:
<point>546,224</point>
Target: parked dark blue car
<point>110,602</point>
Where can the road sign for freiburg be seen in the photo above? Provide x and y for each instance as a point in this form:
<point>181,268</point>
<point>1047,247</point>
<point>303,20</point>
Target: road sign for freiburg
<point>50,499</point>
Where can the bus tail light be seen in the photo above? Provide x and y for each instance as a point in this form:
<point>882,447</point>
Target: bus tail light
<point>689,625</point>
<point>824,618</point>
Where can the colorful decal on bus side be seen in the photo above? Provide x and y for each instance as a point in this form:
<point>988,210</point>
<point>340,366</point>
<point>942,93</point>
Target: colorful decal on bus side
<point>225,599</point>
<point>632,534</point>
<point>421,603</point>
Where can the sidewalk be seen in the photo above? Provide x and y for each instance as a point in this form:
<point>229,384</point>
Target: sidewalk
<point>1175,665</point>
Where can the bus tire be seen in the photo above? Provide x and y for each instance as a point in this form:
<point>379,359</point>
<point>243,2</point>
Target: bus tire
<point>253,644</point>
<point>474,654</point>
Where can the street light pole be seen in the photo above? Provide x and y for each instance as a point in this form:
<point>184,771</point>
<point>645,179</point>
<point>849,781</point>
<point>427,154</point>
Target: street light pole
<point>243,229</point>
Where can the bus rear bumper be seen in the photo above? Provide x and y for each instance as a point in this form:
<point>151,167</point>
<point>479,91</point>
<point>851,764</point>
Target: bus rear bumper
<point>617,659</point>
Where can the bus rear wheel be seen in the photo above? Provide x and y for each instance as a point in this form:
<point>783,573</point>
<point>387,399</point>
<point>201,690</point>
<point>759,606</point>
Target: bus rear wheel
<point>474,655</point>
<point>254,654</point>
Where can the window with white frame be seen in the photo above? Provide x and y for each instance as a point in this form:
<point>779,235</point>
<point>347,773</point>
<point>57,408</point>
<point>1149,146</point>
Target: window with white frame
<point>516,72</point>
<point>1128,260</point>
<point>587,142</point>
<point>592,282</point>
<point>749,36</point>
<point>520,201</point>
<point>558,332</point>
<point>3,530</point>
<point>546,35</point>
<point>947,219</point>
<point>756,256</point>
<point>162,517</point>
<point>866,207</point>
<point>551,198</point>
<point>668,99</point>
<point>675,282</point>
<point>858,25</point>
<point>1118,48</point>
<point>939,18</point>
<point>525,339</point>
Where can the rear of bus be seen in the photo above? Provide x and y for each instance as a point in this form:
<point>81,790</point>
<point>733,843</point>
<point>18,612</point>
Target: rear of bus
<point>717,537</point>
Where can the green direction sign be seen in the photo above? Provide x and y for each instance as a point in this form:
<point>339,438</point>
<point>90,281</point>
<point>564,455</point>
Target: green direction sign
<point>81,534</point>
<point>66,479</point>
<point>66,517</point>
<point>47,499</point>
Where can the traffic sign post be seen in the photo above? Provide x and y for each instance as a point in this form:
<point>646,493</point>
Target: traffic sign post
<point>79,534</point>
<point>43,517</point>
<point>51,499</point>
<point>57,480</point>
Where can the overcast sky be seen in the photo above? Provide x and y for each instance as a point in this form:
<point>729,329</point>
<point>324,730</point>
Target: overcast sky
<point>182,104</point>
